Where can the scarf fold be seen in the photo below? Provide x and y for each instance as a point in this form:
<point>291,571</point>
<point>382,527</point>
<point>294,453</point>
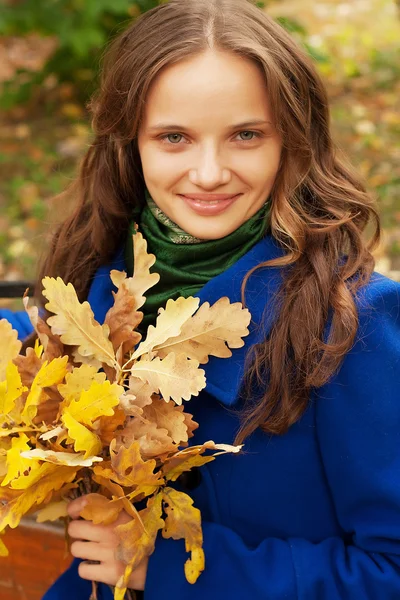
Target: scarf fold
<point>185,263</point>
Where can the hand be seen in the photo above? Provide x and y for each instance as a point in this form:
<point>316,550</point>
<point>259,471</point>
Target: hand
<point>101,545</point>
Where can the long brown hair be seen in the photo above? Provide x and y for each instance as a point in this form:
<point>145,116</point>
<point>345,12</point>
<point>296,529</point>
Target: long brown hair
<point>319,211</point>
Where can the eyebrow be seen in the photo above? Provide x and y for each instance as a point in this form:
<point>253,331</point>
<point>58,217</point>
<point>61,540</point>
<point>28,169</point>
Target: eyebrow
<point>176,127</point>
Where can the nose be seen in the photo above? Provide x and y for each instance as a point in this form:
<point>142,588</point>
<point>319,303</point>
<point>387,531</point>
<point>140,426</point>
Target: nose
<point>209,171</point>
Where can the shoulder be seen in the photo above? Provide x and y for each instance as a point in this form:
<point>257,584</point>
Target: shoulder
<point>378,304</point>
<point>369,375</point>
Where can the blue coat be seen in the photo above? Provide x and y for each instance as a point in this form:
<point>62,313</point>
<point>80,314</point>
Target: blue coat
<point>310,515</point>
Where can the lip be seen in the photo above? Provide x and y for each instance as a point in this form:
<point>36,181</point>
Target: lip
<point>217,203</point>
<point>209,197</point>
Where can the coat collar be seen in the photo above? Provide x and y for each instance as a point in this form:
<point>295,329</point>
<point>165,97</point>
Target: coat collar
<point>223,376</point>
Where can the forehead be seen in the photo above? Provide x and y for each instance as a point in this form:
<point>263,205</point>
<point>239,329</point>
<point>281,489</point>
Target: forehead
<point>216,86</point>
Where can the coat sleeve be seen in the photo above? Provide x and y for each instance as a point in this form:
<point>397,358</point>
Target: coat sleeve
<point>19,321</point>
<point>358,427</point>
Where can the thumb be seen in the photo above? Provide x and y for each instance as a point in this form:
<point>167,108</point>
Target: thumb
<point>75,507</point>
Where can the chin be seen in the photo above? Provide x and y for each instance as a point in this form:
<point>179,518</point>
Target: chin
<point>207,235</point>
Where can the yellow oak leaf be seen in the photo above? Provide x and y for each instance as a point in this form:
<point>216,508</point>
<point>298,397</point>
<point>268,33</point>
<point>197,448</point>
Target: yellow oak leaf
<point>169,323</point>
<point>9,346</point>
<point>209,332</point>
<point>61,458</point>
<point>38,349</point>
<point>123,319</point>
<point>137,540</point>
<point>18,502</point>
<point>52,512</point>
<point>142,279</point>
<point>130,470</point>
<point>79,379</point>
<point>49,374</point>
<point>100,509</point>
<point>99,400</point>
<point>74,322</point>
<point>84,439</point>
<point>10,390</point>
<point>183,520</point>
<point>4,433</point>
<point>174,376</point>
<point>17,465</point>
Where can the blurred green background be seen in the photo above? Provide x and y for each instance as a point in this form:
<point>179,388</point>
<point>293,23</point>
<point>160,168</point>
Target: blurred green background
<point>49,57</point>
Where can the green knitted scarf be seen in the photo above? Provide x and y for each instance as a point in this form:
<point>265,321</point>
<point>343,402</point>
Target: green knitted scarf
<point>186,263</point>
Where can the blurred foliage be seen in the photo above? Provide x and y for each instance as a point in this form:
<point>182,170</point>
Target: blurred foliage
<point>79,28</point>
<point>45,129</point>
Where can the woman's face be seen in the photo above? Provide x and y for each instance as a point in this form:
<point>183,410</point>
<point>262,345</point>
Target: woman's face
<point>207,131</point>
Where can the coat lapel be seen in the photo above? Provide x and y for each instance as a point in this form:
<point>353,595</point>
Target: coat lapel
<point>223,376</point>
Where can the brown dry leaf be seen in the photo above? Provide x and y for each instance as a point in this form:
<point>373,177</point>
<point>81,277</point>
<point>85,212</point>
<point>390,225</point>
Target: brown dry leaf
<point>190,423</point>
<point>123,319</point>
<point>169,323</point>
<point>183,520</point>
<point>9,346</point>
<point>74,322</point>
<point>101,510</point>
<point>169,416</point>
<point>190,457</point>
<point>115,490</point>
<point>184,461</point>
<point>142,391</point>
<point>142,279</point>
<point>52,344</point>
<point>210,332</point>
<point>138,541</point>
<point>153,442</point>
<point>132,471</point>
<point>28,366</point>
<point>108,427</point>
<point>174,377</point>
<point>48,409</point>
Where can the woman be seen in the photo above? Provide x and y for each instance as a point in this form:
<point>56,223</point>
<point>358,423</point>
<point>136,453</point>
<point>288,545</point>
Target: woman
<point>212,133</point>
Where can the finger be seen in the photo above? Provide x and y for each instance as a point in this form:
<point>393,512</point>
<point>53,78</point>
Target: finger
<point>92,551</point>
<point>104,573</point>
<point>85,530</point>
<point>76,506</point>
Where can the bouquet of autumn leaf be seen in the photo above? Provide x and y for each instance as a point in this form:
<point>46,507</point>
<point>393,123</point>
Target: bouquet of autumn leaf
<point>97,407</point>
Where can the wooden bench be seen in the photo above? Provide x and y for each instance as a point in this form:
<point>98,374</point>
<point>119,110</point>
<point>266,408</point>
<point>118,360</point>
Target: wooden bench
<point>37,557</point>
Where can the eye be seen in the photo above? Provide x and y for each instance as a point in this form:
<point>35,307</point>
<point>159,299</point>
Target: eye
<point>172,138</point>
<point>252,134</point>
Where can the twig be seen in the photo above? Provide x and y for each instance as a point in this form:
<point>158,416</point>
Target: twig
<point>93,595</point>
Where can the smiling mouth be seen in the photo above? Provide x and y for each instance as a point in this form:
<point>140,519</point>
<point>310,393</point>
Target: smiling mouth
<point>209,199</point>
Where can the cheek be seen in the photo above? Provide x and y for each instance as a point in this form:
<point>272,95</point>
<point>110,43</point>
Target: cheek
<point>161,168</point>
